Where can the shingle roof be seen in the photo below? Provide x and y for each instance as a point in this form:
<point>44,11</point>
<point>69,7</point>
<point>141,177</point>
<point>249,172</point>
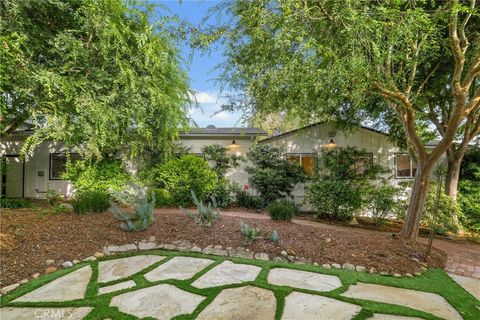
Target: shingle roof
<point>224,131</point>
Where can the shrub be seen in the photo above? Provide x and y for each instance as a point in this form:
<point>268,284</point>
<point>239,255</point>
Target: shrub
<point>442,219</point>
<point>206,214</point>
<point>382,200</point>
<point>163,198</point>
<point>249,233</point>
<point>282,209</point>
<point>61,208</point>
<point>244,199</point>
<point>335,198</point>
<point>180,176</point>
<point>271,174</point>
<point>106,175</point>
<point>53,197</point>
<point>141,219</point>
<point>14,203</point>
<point>223,161</point>
<point>469,202</point>
<point>91,201</point>
<point>224,193</point>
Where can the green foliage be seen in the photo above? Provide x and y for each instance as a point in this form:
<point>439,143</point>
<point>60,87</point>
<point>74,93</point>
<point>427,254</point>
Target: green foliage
<point>335,198</point>
<point>224,192</point>
<point>271,174</point>
<point>163,198</point>
<point>206,214</point>
<point>249,233</point>
<point>141,219</point>
<point>469,203</point>
<point>274,237</point>
<point>107,175</point>
<point>383,201</point>
<point>91,201</point>
<point>470,169</point>
<point>282,209</point>
<point>442,219</point>
<point>61,208</point>
<point>53,197</point>
<point>92,73</point>
<point>182,175</point>
<point>246,200</point>
<point>14,203</point>
<point>223,161</point>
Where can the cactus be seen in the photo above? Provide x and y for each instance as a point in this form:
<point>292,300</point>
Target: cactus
<point>206,214</point>
<point>142,218</point>
<point>275,237</point>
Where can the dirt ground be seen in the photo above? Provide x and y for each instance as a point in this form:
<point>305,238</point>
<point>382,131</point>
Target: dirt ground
<point>28,239</point>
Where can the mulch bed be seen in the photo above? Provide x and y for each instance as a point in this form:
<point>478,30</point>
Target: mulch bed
<point>33,238</point>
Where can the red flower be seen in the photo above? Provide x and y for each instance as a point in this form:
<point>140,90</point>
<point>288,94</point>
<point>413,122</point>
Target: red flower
<point>245,186</point>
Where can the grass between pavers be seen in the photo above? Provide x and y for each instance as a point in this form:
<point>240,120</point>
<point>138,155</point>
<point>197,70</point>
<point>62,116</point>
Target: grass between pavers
<point>434,280</point>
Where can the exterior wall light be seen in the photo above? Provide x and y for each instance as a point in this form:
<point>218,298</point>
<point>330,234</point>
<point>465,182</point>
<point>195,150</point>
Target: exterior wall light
<point>331,144</point>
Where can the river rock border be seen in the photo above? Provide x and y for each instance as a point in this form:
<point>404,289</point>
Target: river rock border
<point>218,250</point>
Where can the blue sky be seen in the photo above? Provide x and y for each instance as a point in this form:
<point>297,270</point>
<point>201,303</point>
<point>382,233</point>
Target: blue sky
<point>200,68</point>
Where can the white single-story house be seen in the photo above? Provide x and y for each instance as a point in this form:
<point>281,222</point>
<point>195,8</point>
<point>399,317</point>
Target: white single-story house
<point>34,174</point>
<point>31,176</point>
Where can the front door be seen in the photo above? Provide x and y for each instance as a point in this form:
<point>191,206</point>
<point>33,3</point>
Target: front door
<point>14,177</point>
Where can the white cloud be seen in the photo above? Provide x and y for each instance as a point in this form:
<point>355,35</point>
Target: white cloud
<point>206,97</point>
<point>222,115</point>
<point>209,110</point>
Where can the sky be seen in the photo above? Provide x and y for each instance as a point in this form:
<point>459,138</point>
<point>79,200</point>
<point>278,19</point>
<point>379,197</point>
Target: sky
<point>201,69</point>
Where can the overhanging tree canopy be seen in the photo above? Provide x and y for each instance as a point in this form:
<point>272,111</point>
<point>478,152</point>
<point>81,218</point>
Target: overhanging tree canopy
<point>341,60</point>
<point>96,74</point>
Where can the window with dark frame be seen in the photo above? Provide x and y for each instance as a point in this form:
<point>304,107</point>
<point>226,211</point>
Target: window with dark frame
<point>405,166</point>
<point>58,161</point>
<point>361,163</point>
<point>307,161</point>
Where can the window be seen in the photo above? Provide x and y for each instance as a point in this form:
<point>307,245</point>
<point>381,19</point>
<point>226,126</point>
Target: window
<point>307,161</point>
<point>405,166</point>
<point>58,162</point>
<point>360,164</point>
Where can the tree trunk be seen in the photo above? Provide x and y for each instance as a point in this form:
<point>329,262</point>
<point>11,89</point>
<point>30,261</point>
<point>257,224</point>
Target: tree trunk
<point>453,173</point>
<point>417,201</point>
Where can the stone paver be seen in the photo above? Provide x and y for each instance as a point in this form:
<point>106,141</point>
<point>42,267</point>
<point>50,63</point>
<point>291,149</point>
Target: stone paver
<point>121,268</point>
<point>241,303</point>
<point>162,301</point>
<point>227,273</point>
<point>13,313</point>
<point>303,279</point>
<point>301,306</point>
<point>117,287</point>
<point>380,316</point>
<point>472,285</point>
<point>424,301</point>
<point>180,268</point>
<point>68,287</point>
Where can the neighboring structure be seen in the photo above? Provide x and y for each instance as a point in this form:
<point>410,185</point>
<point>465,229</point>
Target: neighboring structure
<point>31,176</point>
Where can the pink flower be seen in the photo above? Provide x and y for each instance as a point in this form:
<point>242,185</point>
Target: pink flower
<point>245,186</point>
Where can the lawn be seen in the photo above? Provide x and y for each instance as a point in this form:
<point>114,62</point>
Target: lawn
<point>433,280</point>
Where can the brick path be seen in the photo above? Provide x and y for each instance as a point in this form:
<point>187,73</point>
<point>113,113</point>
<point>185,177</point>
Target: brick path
<point>462,258</point>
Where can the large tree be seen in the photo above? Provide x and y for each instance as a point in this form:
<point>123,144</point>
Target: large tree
<point>340,60</point>
<point>98,75</point>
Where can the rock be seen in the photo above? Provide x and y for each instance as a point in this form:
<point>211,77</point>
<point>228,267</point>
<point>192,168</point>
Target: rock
<point>75,261</point>
<point>215,251</point>
<point>336,266</point>
<point>240,254</point>
<point>117,269</point>
<point>227,273</point>
<point>424,265</point>
<point>217,246</point>
<point>159,246</point>
<point>384,273</point>
<point>279,259</point>
<point>49,262</point>
<point>241,303</point>
<point>291,252</point>
<point>326,266</point>
<point>423,268</point>
<point>416,260</point>
<point>9,288</point>
<point>372,270</point>
<point>348,266</point>
<point>290,258</point>
<point>418,274</point>
<point>409,275</point>
<point>122,248</point>
<point>117,287</point>
<point>99,255</point>
<point>35,275</point>
<point>328,240</point>
<point>147,246</point>
<point>23,281</point>
<point>21,313</point>
<point>315,264</point>
<point>196,249</point>
<point>162,301</point>
<point>353,222</point>
<point>303,279</point>
<point>397,275</point>
<point>308,306</point>
<point>360,269</point>
<point>91,258</point>
<point>67,264</point>
<point>50,270</point>
<point>262,256</point>
<point>152,239</point>
<point>179,268</point>
<point>169,246</point>
<point>284,253</point>
<point>106,251</point>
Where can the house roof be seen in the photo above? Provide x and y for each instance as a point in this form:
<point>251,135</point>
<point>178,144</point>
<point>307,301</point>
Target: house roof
<point>311,126</point>
<point>231,131</point>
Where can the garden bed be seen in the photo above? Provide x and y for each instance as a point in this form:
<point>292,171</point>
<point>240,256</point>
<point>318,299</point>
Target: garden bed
<point>35,238</point>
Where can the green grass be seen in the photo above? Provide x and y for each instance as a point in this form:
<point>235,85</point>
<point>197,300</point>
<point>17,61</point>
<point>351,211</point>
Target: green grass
<point>434,280</point>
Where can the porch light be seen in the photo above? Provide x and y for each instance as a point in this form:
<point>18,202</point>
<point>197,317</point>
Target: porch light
<point>233,145</point>
<point>330,144</point>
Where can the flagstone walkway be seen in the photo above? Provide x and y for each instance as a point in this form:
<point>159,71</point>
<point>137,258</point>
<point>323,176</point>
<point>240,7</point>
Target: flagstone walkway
<point>164,285</point>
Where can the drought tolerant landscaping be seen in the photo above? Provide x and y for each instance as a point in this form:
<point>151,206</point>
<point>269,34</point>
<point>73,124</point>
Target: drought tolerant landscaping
<point>190,285</point>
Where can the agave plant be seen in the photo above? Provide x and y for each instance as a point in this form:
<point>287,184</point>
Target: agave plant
<point>142,218</point>
<point>206,214</point>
